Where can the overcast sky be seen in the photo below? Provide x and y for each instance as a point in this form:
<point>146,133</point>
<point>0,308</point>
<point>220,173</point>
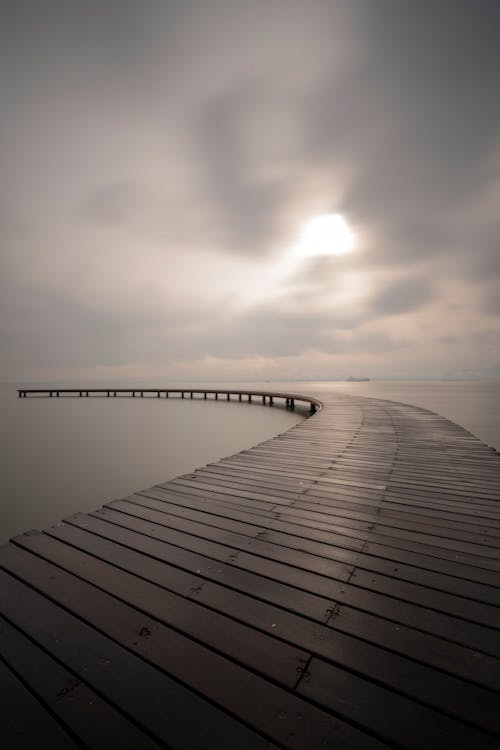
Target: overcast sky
<point>159,160</point>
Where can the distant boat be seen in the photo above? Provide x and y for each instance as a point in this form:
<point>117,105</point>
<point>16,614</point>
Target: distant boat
<point>351,379</point>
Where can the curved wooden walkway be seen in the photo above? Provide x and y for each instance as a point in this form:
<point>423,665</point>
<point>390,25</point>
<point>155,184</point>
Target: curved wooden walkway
<point>333,587</point>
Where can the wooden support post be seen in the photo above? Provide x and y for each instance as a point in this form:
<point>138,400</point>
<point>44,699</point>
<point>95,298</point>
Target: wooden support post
<point>158,394</point>
<point>263,399</point>
<point>292,403</point>
<point>191,394</point>
<point>249,398</point>
<point>271,402</point>
<point>142,394</point>
<point>239,396</point>
<point>205,395</point>
<point>216,396</point>
<point>228,397</point>
<point>166,394</point>
<point>182,394</point>
<point>57,394</point>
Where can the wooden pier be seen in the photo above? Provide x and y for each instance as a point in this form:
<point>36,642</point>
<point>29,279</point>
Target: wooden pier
<point>336,586</point>
<point>268,397</point>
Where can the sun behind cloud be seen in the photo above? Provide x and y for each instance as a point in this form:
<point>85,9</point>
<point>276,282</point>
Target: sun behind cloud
<point>326,234</point>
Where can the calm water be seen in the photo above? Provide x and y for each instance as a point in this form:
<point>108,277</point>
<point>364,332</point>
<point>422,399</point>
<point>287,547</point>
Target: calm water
<point>59,456</point>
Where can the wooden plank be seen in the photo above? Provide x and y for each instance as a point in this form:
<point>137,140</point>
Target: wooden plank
<point>385,511</point>
<point>389,715</point>
<point>319,516</point>
<point>256,702</point>
<point>25,723</point>
<point>400,538</point>
<point>462,514</point>
<point>402,581</point>
<point>303,523</point>
<point>171,713</point>
<point>399,638</point>
<point>174,560</point>
<point>100,573</point>
<point>80,710</point>
<point>476,637</point>
<point>426,685</point>
<point>260,543</point>
<point>380,516</point>
<point>258,651</point>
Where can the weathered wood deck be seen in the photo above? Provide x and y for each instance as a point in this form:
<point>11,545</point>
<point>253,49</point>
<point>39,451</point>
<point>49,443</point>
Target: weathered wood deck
<point>333,587</point>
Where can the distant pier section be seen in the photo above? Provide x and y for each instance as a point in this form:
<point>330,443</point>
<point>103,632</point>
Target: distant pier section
<point>267,397</point>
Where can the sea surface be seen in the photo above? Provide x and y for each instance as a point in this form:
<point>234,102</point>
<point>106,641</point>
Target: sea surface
<point>60,456</point>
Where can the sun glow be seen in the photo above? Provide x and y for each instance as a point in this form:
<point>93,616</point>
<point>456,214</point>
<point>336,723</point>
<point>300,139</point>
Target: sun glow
<point>328,234</point>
